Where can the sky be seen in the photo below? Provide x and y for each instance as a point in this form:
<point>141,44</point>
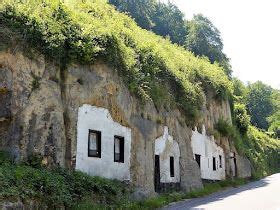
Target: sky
<point>250,30</point>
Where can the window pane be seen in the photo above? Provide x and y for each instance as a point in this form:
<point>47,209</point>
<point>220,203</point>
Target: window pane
<point>117,145</point>
<point>93,141</point>
<point>94,144</point>
<point>119,149</point>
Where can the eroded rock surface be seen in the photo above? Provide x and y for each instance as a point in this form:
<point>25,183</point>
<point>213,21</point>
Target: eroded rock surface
<point>39,113</point>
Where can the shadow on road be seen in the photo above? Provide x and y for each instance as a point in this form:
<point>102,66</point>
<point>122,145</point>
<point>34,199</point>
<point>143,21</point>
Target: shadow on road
<point>193,203</point>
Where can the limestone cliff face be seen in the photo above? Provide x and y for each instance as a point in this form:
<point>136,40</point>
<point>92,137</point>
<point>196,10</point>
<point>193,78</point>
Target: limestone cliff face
<point>39,109</point>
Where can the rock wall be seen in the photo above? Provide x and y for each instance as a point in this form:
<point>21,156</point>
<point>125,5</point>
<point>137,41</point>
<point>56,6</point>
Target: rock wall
<point>41,110</point>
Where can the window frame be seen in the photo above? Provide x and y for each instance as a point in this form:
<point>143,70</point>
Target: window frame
<point>171,165</point>
<point>122,142</point>
<point>198,162</point>
<point>99,135</point>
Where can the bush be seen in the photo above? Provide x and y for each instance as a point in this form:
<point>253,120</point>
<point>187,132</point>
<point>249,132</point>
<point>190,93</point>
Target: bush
<point>224,128</point>
<point>57,187</point>
<point>242,119</point>
<point>262,151</point>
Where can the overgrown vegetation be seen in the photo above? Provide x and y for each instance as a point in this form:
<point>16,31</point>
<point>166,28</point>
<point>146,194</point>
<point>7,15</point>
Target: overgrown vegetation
<point>57,187</point>
<point>83,31</point>
<point>199,35</point>
<point>262,151</point>
<point>75,190</point>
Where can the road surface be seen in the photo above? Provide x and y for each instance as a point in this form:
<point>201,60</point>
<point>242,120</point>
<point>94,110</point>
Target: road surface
<point>259,195</point>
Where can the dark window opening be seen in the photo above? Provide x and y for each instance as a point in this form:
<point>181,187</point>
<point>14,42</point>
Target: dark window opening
<point>94,144</point>
<point>172,166</point>
<point>119,149</point>
<point>157,173</point>
<point>214,164</point>
<point>197,159</point>
<point>220,157</point>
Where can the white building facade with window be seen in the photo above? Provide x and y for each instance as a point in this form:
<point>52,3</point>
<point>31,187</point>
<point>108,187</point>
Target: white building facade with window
<point>169,155</point>
<point>212,157</point>
<point>103,145</point>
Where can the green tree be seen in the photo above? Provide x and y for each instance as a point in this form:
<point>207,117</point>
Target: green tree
<point>140,10</point>
<point>204,39</point>
<point>163,19</point>
<point>260,104</point>
<point>169,21</point>
<point>274,119</point>
<point>240,91</point>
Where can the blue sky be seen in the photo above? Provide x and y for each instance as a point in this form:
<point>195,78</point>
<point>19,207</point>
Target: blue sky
<point>251,34</point>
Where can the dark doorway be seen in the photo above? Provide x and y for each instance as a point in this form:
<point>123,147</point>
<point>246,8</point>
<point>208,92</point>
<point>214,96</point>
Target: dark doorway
<point>197,159</point>
<point>172,166</point>
<point>157,174</point>
<point>235,165</point>
<point>214,164</point>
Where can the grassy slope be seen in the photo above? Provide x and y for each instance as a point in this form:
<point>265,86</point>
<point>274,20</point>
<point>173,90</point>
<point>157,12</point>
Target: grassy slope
<point>263,152</point>
<point>83,32</point>
<point>75,190</point>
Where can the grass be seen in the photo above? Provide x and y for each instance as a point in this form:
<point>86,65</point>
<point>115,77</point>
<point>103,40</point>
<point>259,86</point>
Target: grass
<point>76,31</point>
<point>208,189</point>
<point>57,187</point>
<point>262,150</point>
<point>75,190</point>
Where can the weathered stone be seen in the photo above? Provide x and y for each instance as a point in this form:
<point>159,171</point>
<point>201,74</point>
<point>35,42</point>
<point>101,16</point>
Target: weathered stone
<point>44,120</point>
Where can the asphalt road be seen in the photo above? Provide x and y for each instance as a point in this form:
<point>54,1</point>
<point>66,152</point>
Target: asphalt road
<point>259,195</point>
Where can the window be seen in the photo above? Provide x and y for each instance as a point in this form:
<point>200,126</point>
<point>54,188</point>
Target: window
<point>214,164</point>
<point>94,144</point>
<point>197,158</point>
<point>119,149</point>
<point>172,166</point>
<point>220,157</point>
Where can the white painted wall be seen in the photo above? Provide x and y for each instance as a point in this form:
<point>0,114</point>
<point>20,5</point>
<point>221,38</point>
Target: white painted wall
<point>206,147</point>
<point>99,119</point>
<point>165,147</point>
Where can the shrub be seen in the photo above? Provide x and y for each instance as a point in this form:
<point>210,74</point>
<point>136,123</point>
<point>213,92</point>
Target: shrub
<point>242,119</point>
<point>224,128</point>
<point>57,187</point>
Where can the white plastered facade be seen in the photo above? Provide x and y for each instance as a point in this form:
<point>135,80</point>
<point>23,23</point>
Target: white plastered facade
<point>99,119</point>
<point>206,146</point>
<point>166,147</point>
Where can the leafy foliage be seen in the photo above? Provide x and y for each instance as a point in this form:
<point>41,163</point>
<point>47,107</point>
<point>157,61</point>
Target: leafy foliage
<point>141,10</point>
<point>262,151</point>
<point>83,31</point>
<point>58,187</point>
<point>169,22</point>
<point>242,119</point>
<point>163,19</point>
<point>240,91</point>
<point>204,39</point>
<point>259,104</point>
<point>274,119</point>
